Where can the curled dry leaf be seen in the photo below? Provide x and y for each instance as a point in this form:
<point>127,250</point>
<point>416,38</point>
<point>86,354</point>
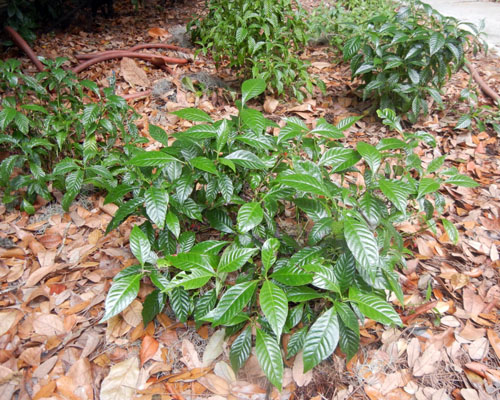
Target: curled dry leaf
<point>133,74</point>
<point>158,32</point>
<point>149,347</point>
<point>427,362</point>
<point>301,378</point>
<point>7,320</point>
<point>478,349</point>
<point>214,347</point>
<point>494,339</point>
<point>190,355</point>
<point>270,105</point>
<point>121,381</point>
<point>215,384</point>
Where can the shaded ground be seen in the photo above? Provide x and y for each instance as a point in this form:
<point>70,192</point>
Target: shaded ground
<point>55,268</point>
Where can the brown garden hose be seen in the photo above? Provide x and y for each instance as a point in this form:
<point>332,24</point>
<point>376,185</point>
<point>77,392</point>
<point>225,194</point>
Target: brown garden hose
<point>88,56</point>
<point>21,43</point>
<point>131,54</point>
<point>487,90</point>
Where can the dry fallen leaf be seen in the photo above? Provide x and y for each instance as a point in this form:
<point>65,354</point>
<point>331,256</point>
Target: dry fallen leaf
<point>190,355</point>
<point>158,33</point>
<point>478,349</point>
<point>149,347</point>
<point>121,382</point>
<point>494,339</point>
<point>301,378</point>
<point>427,362</point>
<point>7,320</point>
<point>270,105</point>
<point>133,74</point>
<point>214,347</point>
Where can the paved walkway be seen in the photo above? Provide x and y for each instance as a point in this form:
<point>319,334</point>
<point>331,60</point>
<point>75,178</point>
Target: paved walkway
<point>474,11</point>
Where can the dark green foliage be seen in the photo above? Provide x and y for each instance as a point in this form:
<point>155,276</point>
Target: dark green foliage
<point>255,274</point>
<point>260,39</point>
<point>55,133</point>
<point>406,56</point>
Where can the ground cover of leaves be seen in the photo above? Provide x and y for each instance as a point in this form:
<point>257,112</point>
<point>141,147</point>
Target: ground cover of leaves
<point>56,267</point>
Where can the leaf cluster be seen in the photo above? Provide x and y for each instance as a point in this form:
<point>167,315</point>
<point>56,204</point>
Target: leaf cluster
<point>213,244</point>
<point>56,134</point>
<point>404,56</point>
<point>260,39</point>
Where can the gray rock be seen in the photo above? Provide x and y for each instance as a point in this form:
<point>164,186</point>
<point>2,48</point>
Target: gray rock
<point>180,36</point>
<point>164,89</point>
<point>210,81</point>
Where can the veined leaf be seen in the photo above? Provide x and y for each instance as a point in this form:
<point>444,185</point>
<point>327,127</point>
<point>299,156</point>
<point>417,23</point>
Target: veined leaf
<point>274,305</point>
<point>204,164</point>
<point>361,242</point>
<point>173,224</point>
<point>252,88</point>
<point>374,307</point>
<point>193,114</point>
<point>140,246</point>
<point>370,154</point>
<point>121,294</point>
<point>240,349</point>
<point>451,230</point>
<point>269,357</point>
<point>249,216</point>
<point>246,159</point>
<point>231,303</point>
<point>152,159</point>
<point>426,186</point>
<point>348,341</point>
<point>188,261</point>
<point>234,258</point>
<point>321,339</point>
<point>269,252</point>
<point>304,183</point>
<point>292,276</point>
<point>395,192</point>
<point>180,303</point>
<point>156,201</point>
<point>340,158</point>
<point>462,180</point>
<point>296,342</point>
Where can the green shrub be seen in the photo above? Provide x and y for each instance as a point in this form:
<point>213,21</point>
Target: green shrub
<point>260,39</point>
<point>229,183</point>
<point>403,57</point>
<point>336,21</point>
<point>56,135</point>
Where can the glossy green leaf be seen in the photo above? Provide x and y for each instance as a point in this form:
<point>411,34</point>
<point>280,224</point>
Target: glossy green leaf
<point>296,342</point>
<point>340,158</point>
<point>274,305</point>
<point>462,180</point>
<point>269,253</point>
<point>426,186</point>
<point>140,246</point>
<point>180,302</point>
<point>370,154</point>
<point>395,192</point>
<point>292,276</point>
<point>121,294</point>
<point>269,357</point>
<point>374,307</point>
<point>451,230</point>
<point>240,349</point>
<point>251,88</point>
<point>152,159</point>
<point>321,340</point>
<point>231,303</point>
<point>193,114</point>
<point>156,201</point>
<point>304,183</point>
<point>249,216</point>
<point>152,306</point>
<point>204,164</point>
<point>362,243</point>
<point>234,258</point>
<point>173,225</point>
<point>246,159</point>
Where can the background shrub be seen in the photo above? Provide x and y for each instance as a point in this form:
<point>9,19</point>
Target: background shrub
<point>260,39</point>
